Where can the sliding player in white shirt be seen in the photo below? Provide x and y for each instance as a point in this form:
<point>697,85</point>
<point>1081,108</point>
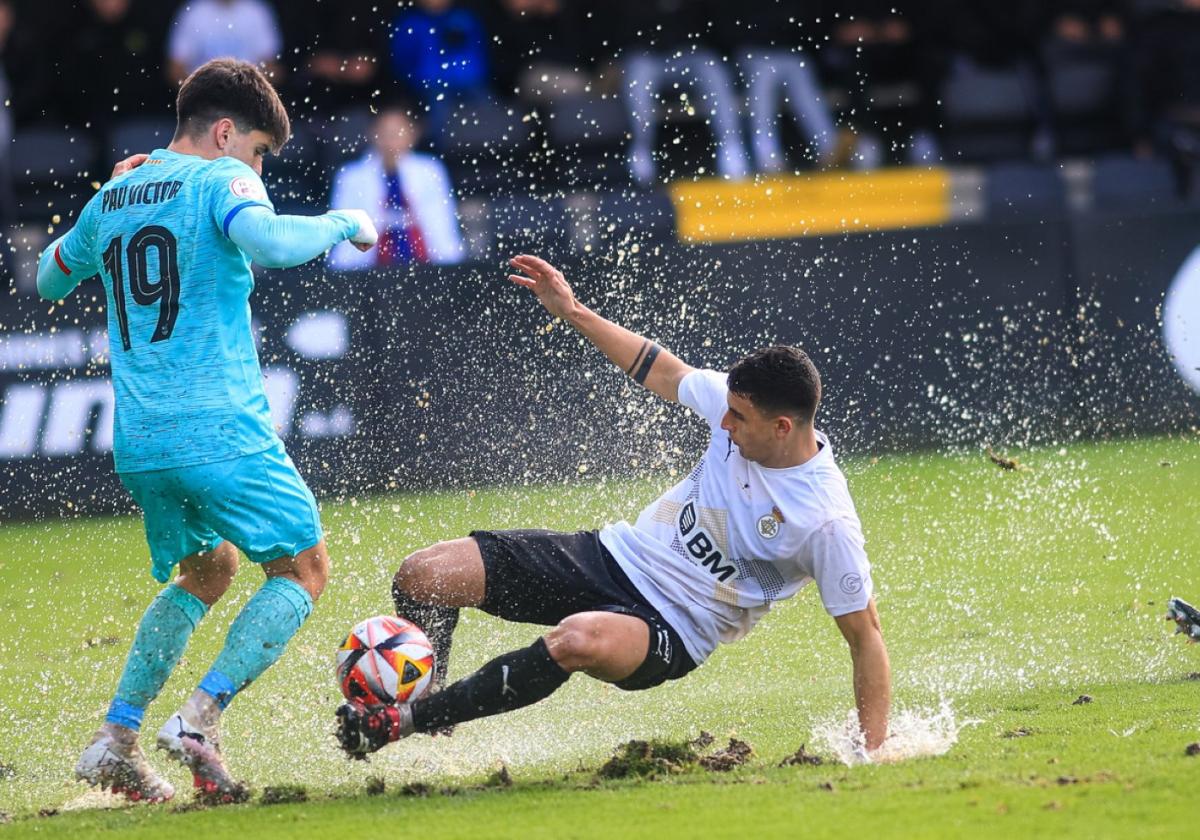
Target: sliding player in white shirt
<point>764,512</point>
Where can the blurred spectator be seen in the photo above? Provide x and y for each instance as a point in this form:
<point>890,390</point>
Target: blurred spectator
<point>765,36</point>
<point>1088,22</point>
<point>116,45</point>
<point>538,50</point>
<point>407,193</point>
<point>439,52</point>
<point>342,60</point>
<point>1004,35</point>
<point>1084,57</point>
<point>208,29</point>
<point>1164,97</point>
<point>663,52</point>
<point>874,43</point>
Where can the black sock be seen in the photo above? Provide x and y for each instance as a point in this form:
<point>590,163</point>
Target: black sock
<point>438,624</point>
<point>508,682</point>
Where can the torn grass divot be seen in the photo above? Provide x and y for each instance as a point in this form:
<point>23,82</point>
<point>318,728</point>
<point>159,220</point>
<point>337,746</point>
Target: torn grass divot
<point>651,759</point>
<point>801,757</point>
<point>283,795</point>
<point>722,761</point>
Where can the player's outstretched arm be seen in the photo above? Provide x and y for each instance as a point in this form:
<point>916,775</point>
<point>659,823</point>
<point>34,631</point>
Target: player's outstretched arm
<point>657,369</point>
<point>275,241</point>
<point>872,672</point>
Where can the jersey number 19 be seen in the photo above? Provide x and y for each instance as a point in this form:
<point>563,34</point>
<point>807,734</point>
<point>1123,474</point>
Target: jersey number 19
<point>137,259</point>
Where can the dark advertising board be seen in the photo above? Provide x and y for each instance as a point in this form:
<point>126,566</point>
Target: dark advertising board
<point>1032,332</point>
<point>1137,322</point>
<point>56,402</point>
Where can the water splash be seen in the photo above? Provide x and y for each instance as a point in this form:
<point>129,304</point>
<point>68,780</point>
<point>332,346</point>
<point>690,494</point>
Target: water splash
<point>913,733</point>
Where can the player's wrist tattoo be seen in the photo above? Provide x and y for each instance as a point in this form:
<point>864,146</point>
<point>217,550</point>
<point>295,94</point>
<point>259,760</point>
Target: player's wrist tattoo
<point>647,362</point>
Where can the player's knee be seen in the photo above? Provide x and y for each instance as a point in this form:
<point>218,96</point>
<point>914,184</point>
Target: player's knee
<point>316,578</point>
<point>311,571</point>
<point>578,643</point>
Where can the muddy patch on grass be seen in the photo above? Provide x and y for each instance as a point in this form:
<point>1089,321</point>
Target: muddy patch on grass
<point>722,761</point>
<point>648,759</point>
<point>283,795</point>
<point>651,759</point>
<point>801,757</point>
<point>500,779</point>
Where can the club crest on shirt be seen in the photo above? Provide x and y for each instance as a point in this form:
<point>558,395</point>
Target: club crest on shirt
<point>247,188</point>
<point>768,526</point>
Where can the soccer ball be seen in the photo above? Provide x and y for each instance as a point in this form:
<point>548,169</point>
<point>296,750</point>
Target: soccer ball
<point>385,659</point>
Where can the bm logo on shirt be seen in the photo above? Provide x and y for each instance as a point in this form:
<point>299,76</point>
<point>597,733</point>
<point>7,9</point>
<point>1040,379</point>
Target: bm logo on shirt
<point>701,546</point>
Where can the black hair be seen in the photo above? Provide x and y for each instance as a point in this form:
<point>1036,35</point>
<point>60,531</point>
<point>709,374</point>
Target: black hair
<point>778,380</point>
<point>225,87</point>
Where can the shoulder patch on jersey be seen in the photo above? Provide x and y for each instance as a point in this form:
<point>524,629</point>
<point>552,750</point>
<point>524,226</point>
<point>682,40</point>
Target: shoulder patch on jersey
<point>851,583</point>
<point>247,188</point>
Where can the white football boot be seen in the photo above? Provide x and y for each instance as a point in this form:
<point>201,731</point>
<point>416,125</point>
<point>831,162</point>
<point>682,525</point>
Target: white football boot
<point>114,761</point>
<point>197,745</point>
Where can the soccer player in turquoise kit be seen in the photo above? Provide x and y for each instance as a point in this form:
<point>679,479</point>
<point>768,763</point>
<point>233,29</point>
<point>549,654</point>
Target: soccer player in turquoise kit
<point>173,240</point>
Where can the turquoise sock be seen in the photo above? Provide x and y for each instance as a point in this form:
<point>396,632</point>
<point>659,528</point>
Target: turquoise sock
<point>161,637</point>
<point>257,637</point>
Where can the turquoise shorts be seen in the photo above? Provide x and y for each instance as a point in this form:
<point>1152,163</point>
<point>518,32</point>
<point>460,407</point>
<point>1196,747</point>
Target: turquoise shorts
<point>258,502</point>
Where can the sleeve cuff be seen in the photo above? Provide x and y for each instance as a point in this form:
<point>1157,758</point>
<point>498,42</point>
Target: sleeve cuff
<point>237,209</point>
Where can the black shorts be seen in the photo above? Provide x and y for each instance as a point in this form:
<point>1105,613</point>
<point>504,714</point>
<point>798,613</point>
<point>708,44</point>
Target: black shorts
<point>541,577</point>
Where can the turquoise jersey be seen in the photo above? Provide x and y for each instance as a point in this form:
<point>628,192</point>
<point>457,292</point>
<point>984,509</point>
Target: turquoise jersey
<point>185,369</point>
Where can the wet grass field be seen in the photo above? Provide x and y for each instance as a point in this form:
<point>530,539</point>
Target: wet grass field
<point>1007,596</point>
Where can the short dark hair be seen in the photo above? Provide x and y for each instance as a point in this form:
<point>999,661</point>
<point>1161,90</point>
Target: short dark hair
<point>394,103</point>
<point>778,380</point>
<point>225,87</point>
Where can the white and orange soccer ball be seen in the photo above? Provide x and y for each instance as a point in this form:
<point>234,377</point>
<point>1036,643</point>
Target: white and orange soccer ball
<point>385,659</point>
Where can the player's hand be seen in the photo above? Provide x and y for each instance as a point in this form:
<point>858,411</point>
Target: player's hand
<point>366,236</point>
<point>545,281</point>
<point>129,164</point>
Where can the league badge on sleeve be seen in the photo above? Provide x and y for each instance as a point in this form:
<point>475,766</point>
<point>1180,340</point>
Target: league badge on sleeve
<point>250,189</point>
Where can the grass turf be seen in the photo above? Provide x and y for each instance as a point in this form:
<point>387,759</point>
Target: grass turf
<point>1008,594</point>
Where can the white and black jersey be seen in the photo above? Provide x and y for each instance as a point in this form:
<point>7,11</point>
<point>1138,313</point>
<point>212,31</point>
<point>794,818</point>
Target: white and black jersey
<point>716,550</point>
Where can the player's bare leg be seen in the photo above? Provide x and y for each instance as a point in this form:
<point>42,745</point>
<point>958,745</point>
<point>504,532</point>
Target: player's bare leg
<point>607,646</point>
<point>208,575</point>
<point>192,735</point>
<point>430,587</point>
<point>113,759</point>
